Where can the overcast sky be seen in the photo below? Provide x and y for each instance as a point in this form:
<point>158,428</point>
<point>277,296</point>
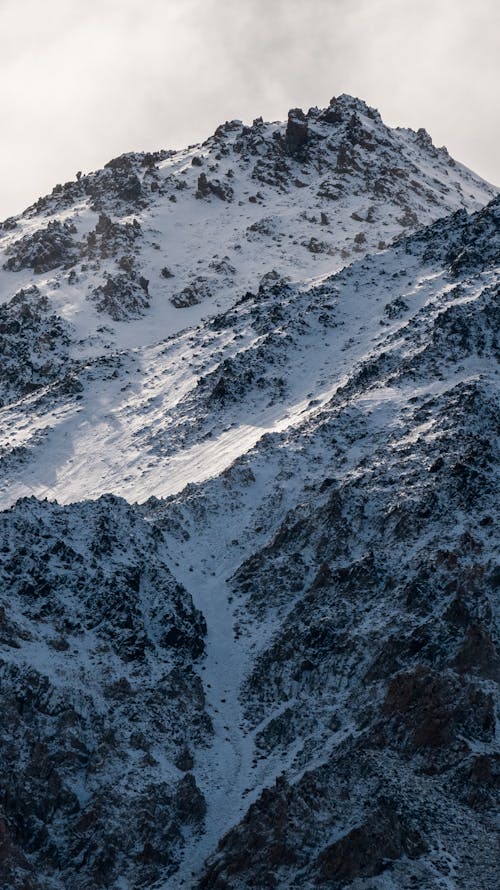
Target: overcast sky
<point>84,80</point>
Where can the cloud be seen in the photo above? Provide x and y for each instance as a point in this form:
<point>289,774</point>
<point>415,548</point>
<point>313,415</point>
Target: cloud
<point>82,82</point>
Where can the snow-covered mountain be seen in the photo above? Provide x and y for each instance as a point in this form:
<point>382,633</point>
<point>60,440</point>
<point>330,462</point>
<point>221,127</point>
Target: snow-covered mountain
<point>257,647</point>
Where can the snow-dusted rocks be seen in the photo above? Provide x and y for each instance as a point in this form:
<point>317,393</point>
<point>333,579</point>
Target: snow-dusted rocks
<point>100,703</point>
<point>377,687</point>
<point>33,343</point>
<point>46,249</point>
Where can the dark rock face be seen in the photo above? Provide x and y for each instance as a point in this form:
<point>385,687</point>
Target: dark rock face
<point>45,249</point>
<point>81,787</point>
<point>110,238</point>
<point>122,296</point>
<point>467,244</point>
<point>432,711</point>
<point>207,187</point>
<point>478,654</point>
<point>332,114</point>
<point>204,189</point>
<point>369,849</point>
<point>118,181</point>
<point>297,132</point>
<point>33,343</point>
<point>198,290</point>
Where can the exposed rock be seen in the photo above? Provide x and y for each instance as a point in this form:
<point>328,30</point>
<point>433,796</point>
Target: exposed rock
<point>207,187</point>
<point>198,290</point>
<point>117,183</point>
<point>368,849</point>
<point>478,654</point>
<point>185,760</point>
<point>432,711</point>
<point>122,296</point>
<point>96,571</point>
<point>34,343</point>
<point>45,249</point>
<point>297,132</point>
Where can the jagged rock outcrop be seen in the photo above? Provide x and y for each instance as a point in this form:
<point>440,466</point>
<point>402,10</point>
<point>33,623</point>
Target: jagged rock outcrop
<point>297,132</point>
<point>44,249</point>
<point>34,343</point>
<point>122,296</point>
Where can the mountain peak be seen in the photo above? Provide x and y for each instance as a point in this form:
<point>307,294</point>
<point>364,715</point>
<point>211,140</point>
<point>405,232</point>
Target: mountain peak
<point>249,456</point>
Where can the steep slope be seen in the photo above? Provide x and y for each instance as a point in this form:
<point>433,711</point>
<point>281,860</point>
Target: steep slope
<point>364,605</point>
<point>279,667</point>
<point>100,700</point>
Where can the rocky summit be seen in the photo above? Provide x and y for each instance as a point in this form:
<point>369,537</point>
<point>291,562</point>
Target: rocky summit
<point>249,452</point>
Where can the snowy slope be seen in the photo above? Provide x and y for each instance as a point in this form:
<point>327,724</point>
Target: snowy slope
<point>295,201</point>
<point>147,422</point>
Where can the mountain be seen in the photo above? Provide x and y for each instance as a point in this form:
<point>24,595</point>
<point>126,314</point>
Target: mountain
<point>249,565</point>
<point>198,230</point>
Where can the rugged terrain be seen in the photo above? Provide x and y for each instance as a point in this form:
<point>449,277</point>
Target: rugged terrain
<point>249,565</point>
